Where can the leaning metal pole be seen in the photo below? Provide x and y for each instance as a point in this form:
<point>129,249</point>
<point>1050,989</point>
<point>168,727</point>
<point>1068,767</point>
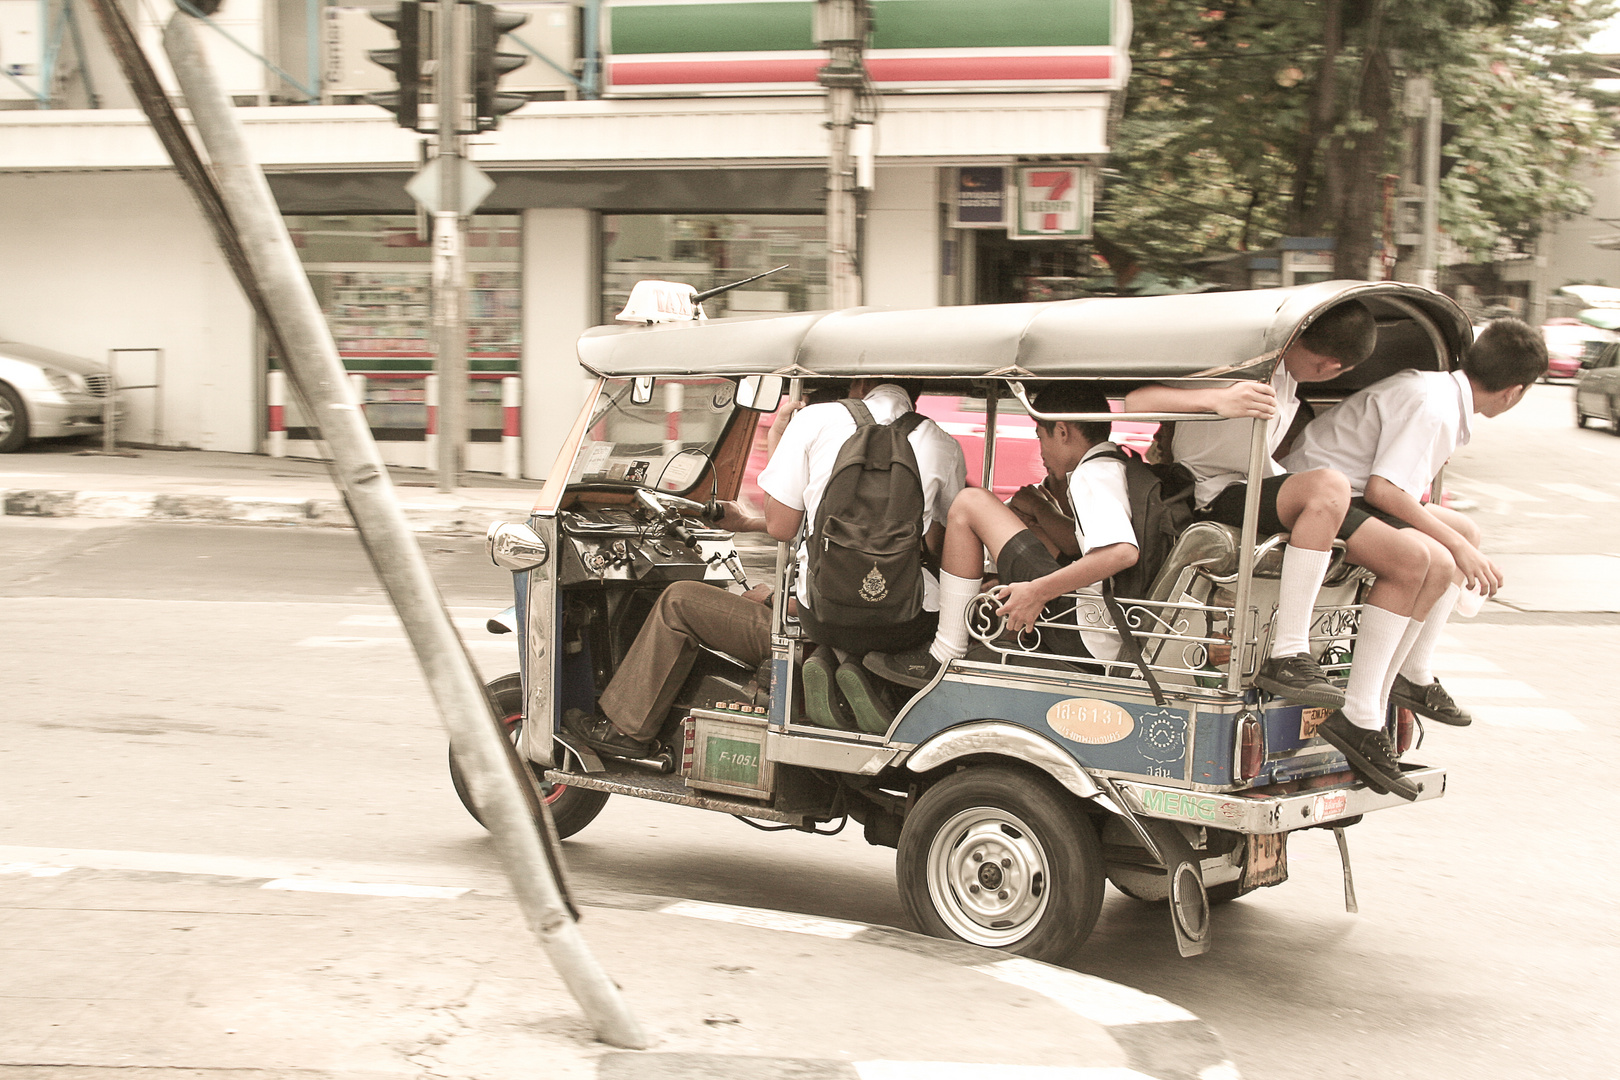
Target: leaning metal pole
<point>312,359</point>
<point>451,93</point>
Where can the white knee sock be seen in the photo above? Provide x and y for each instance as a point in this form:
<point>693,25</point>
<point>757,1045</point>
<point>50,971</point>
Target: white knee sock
<point>951,639</point>
<point>1404,649</point>
<point>1376,642</point>
<point>1302,572</point>
<point>1419,663</point>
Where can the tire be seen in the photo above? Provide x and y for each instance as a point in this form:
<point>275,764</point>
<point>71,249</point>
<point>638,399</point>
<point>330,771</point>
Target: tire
<point>1003,858</point>
<point>572,808</point>
<point>1614,416</point>
<point>13,420</point>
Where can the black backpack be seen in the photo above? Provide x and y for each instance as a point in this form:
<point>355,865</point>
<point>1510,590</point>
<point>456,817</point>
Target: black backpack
<point>866,549</point>
<point>1161,506</point>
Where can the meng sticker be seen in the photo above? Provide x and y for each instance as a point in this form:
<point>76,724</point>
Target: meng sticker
<point>1087,720</point>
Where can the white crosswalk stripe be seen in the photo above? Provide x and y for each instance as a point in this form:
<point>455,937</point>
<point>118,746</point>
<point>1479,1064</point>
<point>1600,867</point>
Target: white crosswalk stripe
<point>1581,492</point>
<point>1494,702</point>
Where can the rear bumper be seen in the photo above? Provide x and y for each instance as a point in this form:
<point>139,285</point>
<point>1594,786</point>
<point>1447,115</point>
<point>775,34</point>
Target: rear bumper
<point>1272,813</point>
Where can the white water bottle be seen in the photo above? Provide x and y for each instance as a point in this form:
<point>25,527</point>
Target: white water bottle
<point>1469,601</point>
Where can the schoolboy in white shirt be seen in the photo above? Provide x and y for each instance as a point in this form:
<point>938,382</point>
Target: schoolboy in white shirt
<point>1030,575</point>
<point>1313,508</point>
<point>1389,440</point>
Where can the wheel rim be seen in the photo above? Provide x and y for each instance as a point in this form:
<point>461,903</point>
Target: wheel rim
<point>8,417</point>
<point>988,876</point>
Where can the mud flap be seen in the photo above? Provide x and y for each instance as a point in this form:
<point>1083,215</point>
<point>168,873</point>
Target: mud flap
<point>1189,903</point>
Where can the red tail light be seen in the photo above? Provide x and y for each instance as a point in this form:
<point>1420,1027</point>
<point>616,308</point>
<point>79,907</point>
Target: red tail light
<point>1406,731</point>
<point>1251,748</point>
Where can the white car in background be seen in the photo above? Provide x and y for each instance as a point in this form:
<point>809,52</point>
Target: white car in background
<point>48,395</point>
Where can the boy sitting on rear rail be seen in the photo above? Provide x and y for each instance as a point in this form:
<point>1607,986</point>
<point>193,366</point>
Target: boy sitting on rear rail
<point>1390,440</point>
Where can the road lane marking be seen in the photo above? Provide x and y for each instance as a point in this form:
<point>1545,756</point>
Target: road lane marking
<point>33,869</point>
<point>337,642</point>
<point>1581,492</point>
<point>765,919</point>
<point>955,1070</point>
<point>1499,492</point>
<point>393,621</point>
<point>364,888</point>
<point>1491,688</point>
<point>1526,718</point>
<point>1463,662</point>
<point>1098,1000</point>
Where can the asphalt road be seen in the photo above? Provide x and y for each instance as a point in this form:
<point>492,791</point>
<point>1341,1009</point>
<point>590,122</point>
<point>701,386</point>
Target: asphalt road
<point>243,693</point>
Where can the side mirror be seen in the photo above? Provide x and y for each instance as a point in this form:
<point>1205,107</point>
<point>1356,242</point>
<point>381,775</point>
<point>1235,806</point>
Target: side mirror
<point>641,389</point>
<point>760,393</point>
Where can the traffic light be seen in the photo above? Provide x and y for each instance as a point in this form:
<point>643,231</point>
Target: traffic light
<point>489,64</point>
<point>405,62</point>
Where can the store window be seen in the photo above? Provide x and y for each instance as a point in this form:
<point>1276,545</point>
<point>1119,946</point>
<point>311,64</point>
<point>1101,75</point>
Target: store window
<point>372,274</point>
<point>706,250</point>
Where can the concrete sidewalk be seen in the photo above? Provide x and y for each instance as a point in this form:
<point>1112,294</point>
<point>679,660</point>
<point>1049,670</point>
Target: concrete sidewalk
<point>57,480</point>
<point>111,966</point>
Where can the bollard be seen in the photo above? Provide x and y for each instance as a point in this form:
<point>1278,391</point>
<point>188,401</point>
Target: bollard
<point>674,398</point>
<point>357,383</point>
<point>430,433</point>
<point>275,392</point>
<point>511,430</point>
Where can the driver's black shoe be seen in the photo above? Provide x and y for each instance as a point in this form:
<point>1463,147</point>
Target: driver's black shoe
<point>1300,680</point>
<point>1431,701</point>
<point>1369,754</point>
<point>600,735</point>
<point>915,668</point>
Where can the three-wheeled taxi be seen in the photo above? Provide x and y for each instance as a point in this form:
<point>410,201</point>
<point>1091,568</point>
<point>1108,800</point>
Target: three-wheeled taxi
<point>1015,784</point>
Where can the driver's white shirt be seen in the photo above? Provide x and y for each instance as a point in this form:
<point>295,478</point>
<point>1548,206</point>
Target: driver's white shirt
<point>798,472</point>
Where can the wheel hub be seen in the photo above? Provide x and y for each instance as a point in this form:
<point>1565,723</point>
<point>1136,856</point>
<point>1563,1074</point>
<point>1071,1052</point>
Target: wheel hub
<point>988,876</point>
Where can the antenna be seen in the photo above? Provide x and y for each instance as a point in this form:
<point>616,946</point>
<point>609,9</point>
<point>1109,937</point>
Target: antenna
<point>718,289</point>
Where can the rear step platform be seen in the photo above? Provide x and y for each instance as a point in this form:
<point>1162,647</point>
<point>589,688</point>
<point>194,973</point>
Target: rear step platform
<point>669,788</point>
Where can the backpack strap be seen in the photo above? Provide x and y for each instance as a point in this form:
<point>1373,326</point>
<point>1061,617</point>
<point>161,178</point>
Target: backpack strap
<point>858,410</point>
<point>1127,640</point>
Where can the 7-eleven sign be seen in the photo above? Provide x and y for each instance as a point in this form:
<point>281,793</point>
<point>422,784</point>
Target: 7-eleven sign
<point>1053,201</point>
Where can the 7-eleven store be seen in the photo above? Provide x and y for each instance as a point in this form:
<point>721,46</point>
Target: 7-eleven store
<point>703,161</point>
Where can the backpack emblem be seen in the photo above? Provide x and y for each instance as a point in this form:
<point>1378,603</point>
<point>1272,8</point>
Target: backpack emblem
<point>873,587</point>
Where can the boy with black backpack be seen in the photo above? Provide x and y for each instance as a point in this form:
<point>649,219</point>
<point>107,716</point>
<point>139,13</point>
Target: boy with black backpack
<point>1031,577</point>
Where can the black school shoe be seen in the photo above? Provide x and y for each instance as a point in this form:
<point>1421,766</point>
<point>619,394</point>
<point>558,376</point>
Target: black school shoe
<point>872,713</point>
<point>598,733</point>
<point>915,668</point>
<point>823,704</point>
<point>1430,701</point>
<point>1300,680</point>
<point>1369,754</point>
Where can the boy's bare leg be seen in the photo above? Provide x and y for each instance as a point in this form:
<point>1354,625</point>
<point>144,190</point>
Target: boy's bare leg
<point>978,522</point>
<point>1312,506</point>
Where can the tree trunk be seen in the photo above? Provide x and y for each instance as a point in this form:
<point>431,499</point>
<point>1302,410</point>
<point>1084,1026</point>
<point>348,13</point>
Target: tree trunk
<point>1304,219</point>
<point>1360,158</point>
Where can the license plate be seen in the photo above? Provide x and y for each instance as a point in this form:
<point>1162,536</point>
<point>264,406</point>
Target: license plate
<point>1266,861</point>
<point>1310,720</point>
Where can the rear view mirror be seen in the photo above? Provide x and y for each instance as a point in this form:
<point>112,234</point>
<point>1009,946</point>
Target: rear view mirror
<point>641,389</point>
<point>760,393</point>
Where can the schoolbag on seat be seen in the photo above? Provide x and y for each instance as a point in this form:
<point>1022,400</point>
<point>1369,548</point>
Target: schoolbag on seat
<point>866,545</point>
<point>1160,498</point>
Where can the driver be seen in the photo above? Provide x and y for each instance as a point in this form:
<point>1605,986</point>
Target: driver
<point>691,613</point>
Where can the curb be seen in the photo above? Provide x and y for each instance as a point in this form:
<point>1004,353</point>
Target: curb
<point>232,509</point>
<point>1158,1039</point>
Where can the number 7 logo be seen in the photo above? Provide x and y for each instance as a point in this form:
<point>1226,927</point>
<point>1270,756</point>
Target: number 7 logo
<point>1056,184</point>
<point>1053,201</point>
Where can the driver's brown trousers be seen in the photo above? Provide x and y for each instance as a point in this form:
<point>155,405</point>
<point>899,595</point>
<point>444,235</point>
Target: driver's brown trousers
<point>687,613</point>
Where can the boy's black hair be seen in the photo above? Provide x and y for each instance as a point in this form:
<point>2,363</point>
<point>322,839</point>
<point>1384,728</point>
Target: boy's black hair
<point>1075,397</point>
<point>1346,332</point>
<point>1508,352</point>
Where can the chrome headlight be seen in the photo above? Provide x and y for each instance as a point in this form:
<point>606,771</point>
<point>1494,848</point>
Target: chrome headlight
<point>514,546</point>
<point>62,381</point>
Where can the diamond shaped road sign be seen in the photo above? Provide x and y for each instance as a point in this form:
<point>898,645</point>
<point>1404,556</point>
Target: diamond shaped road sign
<point>475,186</point>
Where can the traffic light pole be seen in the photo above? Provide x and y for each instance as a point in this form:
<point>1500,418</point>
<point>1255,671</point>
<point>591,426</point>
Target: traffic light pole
<point>841,27</point>
<point>451,93</point>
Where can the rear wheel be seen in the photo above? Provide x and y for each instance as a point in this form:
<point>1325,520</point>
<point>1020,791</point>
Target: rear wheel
<point>13,420</point>
<point>572,808</point>
<point>1003,858</point>
<point>1614,416</point>
<point>1580,415</point>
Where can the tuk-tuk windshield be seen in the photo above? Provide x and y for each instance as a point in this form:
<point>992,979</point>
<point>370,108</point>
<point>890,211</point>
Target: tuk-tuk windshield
<point>663,443</point>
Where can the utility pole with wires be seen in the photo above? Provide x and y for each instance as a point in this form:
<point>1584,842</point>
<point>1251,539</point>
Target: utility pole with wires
<point>842,28</point>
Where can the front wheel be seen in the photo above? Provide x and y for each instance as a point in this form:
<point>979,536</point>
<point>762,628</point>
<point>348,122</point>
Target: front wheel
<point>13,420</point>
<point>572,808</point>
<point>1003,858</point>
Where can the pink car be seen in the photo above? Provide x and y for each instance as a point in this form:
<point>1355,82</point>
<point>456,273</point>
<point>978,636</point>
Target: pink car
<point>1566,341</point>
<point>1018,455</point>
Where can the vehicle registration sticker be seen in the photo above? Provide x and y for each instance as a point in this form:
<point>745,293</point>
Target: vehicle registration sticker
<point>1310,720</point>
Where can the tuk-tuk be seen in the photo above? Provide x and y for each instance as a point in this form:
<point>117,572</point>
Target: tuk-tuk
<point>1016,783</point>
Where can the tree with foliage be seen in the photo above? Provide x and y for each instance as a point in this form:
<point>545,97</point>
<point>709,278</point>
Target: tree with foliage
<point>1247,120</point>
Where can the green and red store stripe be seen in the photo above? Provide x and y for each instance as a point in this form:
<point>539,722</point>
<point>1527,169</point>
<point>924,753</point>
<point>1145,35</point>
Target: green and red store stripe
<point>660,46</point>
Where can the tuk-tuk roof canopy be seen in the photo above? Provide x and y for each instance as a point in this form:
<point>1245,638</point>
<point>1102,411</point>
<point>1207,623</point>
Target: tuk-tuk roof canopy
<point>1213,335</point>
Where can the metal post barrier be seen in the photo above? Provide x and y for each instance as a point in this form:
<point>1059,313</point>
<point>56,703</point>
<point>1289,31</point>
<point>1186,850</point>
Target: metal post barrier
<point>357,383</point>
<point>674,399</point>
<point>430,433</point>
<point>275,393</point>
<point>511,427</point>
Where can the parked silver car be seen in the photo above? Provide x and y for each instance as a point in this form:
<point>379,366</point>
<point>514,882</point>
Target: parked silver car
<point>48,395</point>
<point>1597,394</point>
